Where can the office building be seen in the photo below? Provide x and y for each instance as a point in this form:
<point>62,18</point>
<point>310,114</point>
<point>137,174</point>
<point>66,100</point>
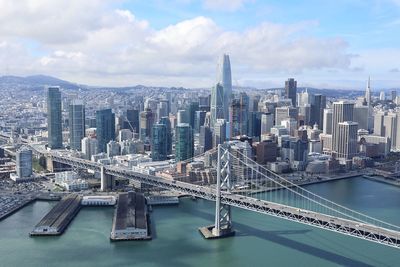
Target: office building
<point>54,117</point>
<point>217,104</point>
<point>205,139</point>
<point>342,111</point>
<point>184,143</point>
<point>200,117</point>
<point>291,90</point>
<point>360,115</point>
<point>89,147</point>
<point>267,122</point>
<point>327,121</point>
<point>146,124</point>
<point>167,123</point>
<point>159,149</point>
<point>283,113</point>
<point>76,124</point>
<point>347,142</point>
<point>224,78</point>
<point>266,152</point>
<point>113,149</point>
<point>219,135</point>
<point>317,110</point>
<point>23,158</point>
<point>105,128</point>
<point>132,120</point>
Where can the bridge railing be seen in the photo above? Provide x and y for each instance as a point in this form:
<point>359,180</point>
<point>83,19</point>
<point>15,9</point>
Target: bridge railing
<point>286,192</point>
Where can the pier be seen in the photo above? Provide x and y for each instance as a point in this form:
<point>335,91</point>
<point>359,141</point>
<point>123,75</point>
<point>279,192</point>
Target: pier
<point>131,221</point>
<point>57,220</point>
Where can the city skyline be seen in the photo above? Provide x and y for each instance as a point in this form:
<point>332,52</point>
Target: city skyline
<point>127,43</point>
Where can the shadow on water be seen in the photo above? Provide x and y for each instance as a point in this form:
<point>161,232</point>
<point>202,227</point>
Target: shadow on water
<point>278,238</point>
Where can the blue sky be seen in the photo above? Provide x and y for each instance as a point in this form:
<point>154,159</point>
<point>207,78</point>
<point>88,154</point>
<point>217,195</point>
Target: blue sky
<point>333,44</point>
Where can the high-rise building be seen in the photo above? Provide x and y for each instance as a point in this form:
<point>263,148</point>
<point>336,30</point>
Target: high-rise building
<point>54,117</point>
<point>89,147</point>
<point>200,117</point>
<point>76,124</point>
<point>219,135</point>
<point>283,113</point>
<point>184,143</point>
<point>267,122</point>
<point>394,95</point>
<point>113,149</point>
<point>105,124</point>
<point>217,103</point>
<point>167,123</point>
<point>182,116</point>
<point>193,108</point>
<point>132,120</point>
<point>205,139</point>
<point>238,112</point>
<point>368,92</point>
<point>291,90</point>
<point>382,96</point>
<point>317,110</point>
<point>159,149</point>
<point>342,111</point>
<point>347,142</point>
<point>24,162</point>
<point>225,79</point>
<point>146,123</point>
<point>254,124</point>
<point>327,121</point>
<point>266,152</point>
<point>162,109</point>
<point>360,115</point>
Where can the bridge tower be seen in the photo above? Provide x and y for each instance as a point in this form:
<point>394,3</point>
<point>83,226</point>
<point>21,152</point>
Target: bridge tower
<point>223,219</point>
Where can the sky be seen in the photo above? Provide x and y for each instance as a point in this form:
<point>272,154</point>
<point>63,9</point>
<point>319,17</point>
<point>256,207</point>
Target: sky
<point>323,44</point>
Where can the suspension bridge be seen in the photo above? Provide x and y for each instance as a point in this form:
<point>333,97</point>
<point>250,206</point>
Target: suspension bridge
<point>267,193</point>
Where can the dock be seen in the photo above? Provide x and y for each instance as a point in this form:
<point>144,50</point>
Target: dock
<point>59,217</point>
<point>11,204</point>
<point>131,220</point>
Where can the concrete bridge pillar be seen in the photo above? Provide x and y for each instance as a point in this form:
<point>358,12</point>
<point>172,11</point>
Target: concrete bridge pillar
<point>106,180</point>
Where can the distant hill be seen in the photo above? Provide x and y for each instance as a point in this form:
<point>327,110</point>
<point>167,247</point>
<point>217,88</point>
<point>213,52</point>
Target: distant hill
<point>35,82</point>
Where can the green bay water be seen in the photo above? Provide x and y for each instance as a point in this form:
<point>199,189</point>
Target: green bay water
<point>260,240</point>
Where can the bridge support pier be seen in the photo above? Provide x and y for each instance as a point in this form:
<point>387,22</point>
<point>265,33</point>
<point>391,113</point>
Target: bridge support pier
<point>106,180</point>
<point>223,220</point>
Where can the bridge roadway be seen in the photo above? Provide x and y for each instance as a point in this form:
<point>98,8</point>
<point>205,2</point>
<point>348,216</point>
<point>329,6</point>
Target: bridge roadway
<point>344,226</point>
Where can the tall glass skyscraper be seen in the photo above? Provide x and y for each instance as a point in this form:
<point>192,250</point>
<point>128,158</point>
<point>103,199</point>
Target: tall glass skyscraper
<point>184,143</point>
<point>159,149</point>
<point>225,79</point>
<point>167,123</point>
<point>76,124</point>
<point>146,123</point>
<point>105,124</point>
<point>217,103</point>
<point>54,123</point>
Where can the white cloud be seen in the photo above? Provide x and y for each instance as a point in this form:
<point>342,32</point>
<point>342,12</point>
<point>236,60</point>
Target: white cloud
<point>112,47</point>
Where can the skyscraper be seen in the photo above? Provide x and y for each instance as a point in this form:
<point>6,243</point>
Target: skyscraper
<point>347,142</point>
<point>105,124</point>
<point>76,124</point>
<point>219,136</point>
<point>165,121</point>
<point>146,123</point>
<point>217,103</point>
<point>23,159</point>
<point>368,92</point>
<point>54,123</point>
<point>159,149</point>
<point>238,113</point>
<point>225,79</point>
<point>317,110</point>
<point>291,90</point>
<point>327,121</point>
<point>342,111</point>
<point>205,139</point>
<point>132,120</point>
<point>193,107</point>
<point>184,143</point>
